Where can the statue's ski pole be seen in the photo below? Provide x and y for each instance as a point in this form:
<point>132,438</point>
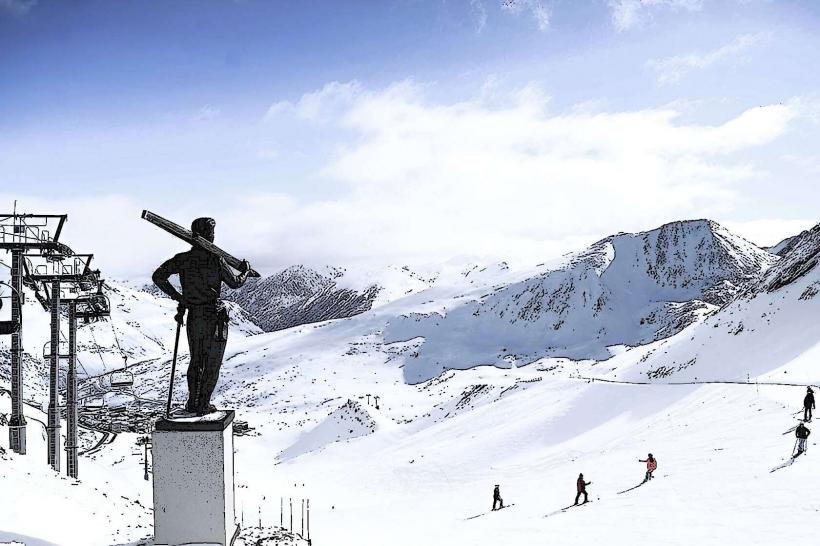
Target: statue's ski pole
<point>178,317</point>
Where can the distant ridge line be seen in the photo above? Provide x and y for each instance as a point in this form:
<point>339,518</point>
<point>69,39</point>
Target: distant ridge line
<point>678,383</point>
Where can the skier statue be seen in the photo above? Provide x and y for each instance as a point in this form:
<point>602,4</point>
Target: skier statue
<point>201,274</point>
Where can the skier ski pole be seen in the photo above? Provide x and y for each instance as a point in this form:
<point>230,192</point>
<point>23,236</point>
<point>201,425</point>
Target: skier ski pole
<point>180,314</point>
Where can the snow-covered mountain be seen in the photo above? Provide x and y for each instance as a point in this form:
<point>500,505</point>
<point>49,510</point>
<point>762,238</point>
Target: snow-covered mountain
<point>771,324</point>
<point>627,289</point>
<point>433,448</point>
<point>783,247</point>
<point>302,295</point>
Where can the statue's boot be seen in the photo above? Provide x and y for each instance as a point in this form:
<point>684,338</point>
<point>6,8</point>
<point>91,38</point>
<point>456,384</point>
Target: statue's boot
<point>205,411</point>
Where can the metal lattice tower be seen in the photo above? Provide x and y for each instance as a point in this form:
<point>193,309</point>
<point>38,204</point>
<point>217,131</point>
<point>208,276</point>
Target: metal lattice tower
<point>54,272</point>
<point>87,307</point>
<point>71,393</point>
<point>17,422</point>
<point>44,265</point>
<point>53,427</point>
<point>20,233</point>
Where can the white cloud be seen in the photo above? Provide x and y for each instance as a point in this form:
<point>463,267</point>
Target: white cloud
<point>479,15</point>
<point>314,106</point>
<point>672,69</point>
<point>17,7</point>
<point>770,231</point>
<point>627,14</point>
<point>423,181</point>
<point>537,9</point>
<point>427,180</point>
<point>207,113</point>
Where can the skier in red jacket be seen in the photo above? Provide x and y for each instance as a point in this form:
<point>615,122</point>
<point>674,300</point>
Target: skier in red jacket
<point>581,485</point>
<point>651,465</point>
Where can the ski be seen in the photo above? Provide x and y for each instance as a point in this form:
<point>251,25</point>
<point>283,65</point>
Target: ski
<point>631,488</point>
<point>490,512</point>
<point>564,509</point>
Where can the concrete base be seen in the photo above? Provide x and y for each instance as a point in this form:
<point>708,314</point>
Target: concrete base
<point>193,480</point>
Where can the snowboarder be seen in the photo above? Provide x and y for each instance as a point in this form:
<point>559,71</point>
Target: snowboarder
<point>497,500</point>
<point>201,275</point>
<point>581,485</point>
<point>802,434</point>
<point>808,405</point>
<point>651,465</point>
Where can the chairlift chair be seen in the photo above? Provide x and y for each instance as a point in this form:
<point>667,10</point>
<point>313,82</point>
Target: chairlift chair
<point>122,378</point>
<point>62,349</point>
<point>98,306</point>
<point>96,402</point>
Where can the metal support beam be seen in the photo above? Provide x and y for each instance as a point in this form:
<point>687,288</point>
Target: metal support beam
<point>53,427</point>
<point>71,393</point>
<point>17,423</point>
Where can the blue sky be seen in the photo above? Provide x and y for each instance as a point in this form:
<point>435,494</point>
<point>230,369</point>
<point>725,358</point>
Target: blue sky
<point>408,131</point>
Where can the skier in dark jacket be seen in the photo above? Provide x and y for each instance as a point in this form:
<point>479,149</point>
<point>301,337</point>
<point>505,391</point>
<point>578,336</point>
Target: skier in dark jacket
<point>497,498</point>
<point>802,434</point>
<point>581,485</point>
<point>808,405</point>
<point>651,465</point>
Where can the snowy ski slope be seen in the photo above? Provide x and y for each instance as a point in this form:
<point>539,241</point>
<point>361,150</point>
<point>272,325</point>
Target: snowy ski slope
<point>419,469</point>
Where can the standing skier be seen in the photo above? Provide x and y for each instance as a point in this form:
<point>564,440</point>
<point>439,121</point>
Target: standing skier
<point>497,498</point>
<point>581,485</point>
<point>802,434</point>
<point>651,465</point>
<point>808,405</point>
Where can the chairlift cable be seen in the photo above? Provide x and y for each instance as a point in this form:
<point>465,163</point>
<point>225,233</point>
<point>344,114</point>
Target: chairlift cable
<point>117,340</point>
<point>76,356</point>
<point>99,350</point>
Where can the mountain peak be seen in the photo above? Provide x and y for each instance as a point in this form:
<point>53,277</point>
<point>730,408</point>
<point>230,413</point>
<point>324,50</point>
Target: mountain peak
<point>701,250</point>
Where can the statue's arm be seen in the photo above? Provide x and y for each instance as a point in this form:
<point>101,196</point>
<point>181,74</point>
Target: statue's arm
<point>228,276</point>
<point>161,276</point>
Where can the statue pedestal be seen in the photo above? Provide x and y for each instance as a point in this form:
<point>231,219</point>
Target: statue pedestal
<point>193,480</point>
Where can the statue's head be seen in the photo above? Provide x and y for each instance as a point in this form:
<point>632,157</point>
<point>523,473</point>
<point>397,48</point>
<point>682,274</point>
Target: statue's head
<point>204,227</point>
